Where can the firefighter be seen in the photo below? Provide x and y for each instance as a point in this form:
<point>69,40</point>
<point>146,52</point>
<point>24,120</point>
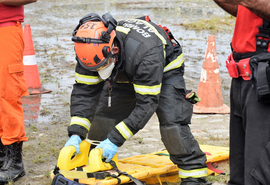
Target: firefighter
<point>125,73</point>
<point>250,103</point>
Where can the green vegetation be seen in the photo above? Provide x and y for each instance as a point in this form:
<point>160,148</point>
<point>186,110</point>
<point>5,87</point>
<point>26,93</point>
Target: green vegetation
<point>214,24</point>
<point>219,178</point>
<point>45,111</point>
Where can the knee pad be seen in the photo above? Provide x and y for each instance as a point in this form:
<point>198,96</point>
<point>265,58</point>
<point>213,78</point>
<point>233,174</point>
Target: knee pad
<point>176,139</point>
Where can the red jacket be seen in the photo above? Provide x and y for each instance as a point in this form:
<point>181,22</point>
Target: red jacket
<point>246,29</point>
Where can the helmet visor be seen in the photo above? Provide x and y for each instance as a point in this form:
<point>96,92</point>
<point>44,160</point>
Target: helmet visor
<point>106,73</point>
<point>106,63</point>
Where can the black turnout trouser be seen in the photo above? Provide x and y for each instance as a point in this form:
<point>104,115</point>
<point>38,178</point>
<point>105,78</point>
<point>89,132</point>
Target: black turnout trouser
<point>249,136</point>
<point>174,113</point>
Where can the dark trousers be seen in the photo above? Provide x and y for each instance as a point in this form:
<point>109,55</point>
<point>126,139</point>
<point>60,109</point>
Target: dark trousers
<point>174,113</point>
<point>249,136</point>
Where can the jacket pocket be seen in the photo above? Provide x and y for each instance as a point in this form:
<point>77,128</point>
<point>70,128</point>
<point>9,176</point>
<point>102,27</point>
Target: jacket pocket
<point>183,108</point>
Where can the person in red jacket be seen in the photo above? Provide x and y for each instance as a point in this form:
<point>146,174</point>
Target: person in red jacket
<point>249,117</point>
<point>12,88</point>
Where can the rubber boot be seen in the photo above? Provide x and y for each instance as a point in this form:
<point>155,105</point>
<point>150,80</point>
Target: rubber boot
<point>12,168</point>
<point>2,153</point>
<point>195,181</point>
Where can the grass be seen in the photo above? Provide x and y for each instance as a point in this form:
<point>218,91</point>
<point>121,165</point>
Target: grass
<point>139,140</point>
<point>219,178</point>
<point>214,24</point>
<point>45,111</point>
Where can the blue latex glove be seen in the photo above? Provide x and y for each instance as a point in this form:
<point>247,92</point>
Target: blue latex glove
<point>109,149</point>
<point>74,140</point>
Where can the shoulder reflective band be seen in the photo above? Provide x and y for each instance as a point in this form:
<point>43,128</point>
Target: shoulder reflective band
<point>156,32</point>
<point>197,173</point>
<point>175,63</point>
<point>122,29</point>
<point>86,79</point>
<point>124,130</point>
<point>147,90</point>
<point>80,121</point>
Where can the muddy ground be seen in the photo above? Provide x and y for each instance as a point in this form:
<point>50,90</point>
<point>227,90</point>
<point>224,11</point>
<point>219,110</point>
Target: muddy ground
<point>47,115</point>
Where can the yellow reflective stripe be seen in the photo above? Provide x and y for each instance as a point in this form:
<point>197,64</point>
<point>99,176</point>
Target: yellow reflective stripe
<point>124,130</point>
<point>147,90</point>
<point>193,173</point>
<point>86,79</point>
<point>175,63</point>
<point>156,32</point>
<point>80,121</point>
<point>122,29</point>
<point>154,29</point>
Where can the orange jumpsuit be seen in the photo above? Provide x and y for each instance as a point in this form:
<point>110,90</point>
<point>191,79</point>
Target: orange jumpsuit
<point>12,84</point>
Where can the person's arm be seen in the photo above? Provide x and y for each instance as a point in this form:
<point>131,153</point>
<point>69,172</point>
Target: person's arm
<point>147,86</point>
<point>16,2</point>
<point>259,7</point>
<point>84,99</point>
<point>231,9</point>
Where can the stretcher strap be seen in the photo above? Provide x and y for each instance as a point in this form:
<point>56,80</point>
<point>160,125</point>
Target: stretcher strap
<point>96,175</point>
<point>211,167</point>
<point>136,181</point>
<point>103,175</point>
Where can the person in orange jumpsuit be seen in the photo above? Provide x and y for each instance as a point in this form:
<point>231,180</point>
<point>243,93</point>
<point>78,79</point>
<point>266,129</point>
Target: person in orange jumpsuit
<point>12,88</point>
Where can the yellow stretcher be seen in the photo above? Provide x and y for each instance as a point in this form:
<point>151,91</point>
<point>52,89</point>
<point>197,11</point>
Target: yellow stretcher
<point>153,168</point>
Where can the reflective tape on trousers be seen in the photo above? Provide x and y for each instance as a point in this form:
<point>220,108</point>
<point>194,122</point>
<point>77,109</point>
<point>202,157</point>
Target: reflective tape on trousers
<point>192,173</point>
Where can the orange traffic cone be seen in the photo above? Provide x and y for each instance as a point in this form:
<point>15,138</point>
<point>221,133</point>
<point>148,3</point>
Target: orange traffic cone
<point>209,89</point>
<point>29,60</point>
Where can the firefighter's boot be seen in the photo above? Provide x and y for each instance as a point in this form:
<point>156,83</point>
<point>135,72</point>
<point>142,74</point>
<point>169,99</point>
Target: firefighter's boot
<point>2,153</point>
<point>12,168</point>
<point>195,181</point>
